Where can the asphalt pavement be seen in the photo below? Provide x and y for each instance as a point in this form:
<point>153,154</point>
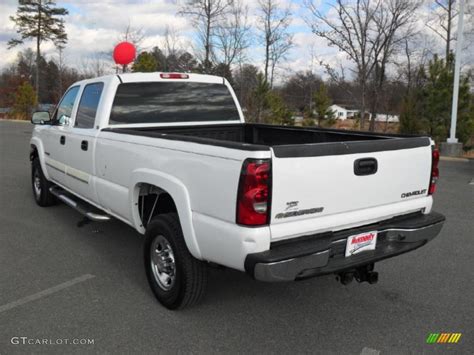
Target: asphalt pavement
<point>60,283</point>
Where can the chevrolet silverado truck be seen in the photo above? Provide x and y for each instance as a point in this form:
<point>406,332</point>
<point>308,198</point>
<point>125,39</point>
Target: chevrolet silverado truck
<point>171,155</point>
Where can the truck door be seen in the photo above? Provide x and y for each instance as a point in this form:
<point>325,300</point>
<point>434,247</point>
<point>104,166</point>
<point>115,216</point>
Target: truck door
<point>81,137</point>
<point>55,142</point>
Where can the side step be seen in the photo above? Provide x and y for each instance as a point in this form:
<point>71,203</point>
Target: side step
<point>84,208</point>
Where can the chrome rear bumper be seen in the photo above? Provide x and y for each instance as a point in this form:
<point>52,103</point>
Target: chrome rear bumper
<point>325,253</point>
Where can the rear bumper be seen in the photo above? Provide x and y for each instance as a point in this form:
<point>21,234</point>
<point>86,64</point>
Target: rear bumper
<point>324,253</point>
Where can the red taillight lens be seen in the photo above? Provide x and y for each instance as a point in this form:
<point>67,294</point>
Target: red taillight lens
<point>434,171</point>
<point>253,199</point>
<point>174,76</point>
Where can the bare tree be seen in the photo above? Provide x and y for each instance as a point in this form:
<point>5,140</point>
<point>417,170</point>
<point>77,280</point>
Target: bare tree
<point>205,15</point>
<point>134,35</point>
<point>130,34</point>
<point>61,66</point>
<point>444,12</point>
<point>279,51</point>
<point>96,65</point>
<point>171,41</point>
<point>368,31</point>
<point>393,24</point>
<point>232,34</point>
<point>273,27</point>
<point>348,30</point>
<point>443,23</point>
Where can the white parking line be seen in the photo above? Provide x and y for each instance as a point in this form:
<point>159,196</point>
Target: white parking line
<point>369,351</point>
<point>44,293</point>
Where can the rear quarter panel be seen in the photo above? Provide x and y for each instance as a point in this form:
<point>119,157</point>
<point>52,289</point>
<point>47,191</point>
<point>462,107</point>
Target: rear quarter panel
<point>208,176</point>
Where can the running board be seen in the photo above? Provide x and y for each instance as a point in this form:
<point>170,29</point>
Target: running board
<point>84,208</point>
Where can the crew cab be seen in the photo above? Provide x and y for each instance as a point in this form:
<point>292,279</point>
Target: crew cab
<point>171,155</point>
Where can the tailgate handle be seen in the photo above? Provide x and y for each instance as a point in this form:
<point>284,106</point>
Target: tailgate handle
<point>365,166</point>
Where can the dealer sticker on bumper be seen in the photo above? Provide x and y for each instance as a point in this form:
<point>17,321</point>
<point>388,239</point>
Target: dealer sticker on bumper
<point>361,242</point>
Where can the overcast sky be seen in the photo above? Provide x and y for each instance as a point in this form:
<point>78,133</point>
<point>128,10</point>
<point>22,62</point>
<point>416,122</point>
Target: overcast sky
<point>94,26</point>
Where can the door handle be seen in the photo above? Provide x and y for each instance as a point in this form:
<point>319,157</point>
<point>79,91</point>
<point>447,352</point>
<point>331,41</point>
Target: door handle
<point>62,140</point>
<point>84,145</point>
<point>365,166</point>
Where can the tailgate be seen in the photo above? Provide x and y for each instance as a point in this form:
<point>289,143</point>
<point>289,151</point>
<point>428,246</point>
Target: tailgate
<point>333,186</point>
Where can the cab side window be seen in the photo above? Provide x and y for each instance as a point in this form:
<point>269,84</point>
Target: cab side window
<point>87,110</point>
<point>63,112</point>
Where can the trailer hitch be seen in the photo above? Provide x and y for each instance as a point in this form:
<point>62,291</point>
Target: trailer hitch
<point>364,273</point>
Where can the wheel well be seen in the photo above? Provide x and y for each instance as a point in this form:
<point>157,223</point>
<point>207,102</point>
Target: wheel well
<point>153,201</point>
<point>33,152</point>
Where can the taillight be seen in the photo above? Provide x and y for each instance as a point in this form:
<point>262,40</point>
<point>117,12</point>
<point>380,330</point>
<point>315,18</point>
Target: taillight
<point>434,171</point>
<point>254,194</point>
<point>174,76</point>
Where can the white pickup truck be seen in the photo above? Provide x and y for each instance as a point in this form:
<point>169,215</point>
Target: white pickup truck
<point>171,155</point>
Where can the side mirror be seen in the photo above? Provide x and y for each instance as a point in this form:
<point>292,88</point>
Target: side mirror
<point>40,117</point>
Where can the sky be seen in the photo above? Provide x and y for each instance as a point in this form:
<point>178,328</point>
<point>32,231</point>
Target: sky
<point>94,27</point>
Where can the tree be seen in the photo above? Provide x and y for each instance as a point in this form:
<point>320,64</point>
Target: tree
<point>95,65</point>
<point>245,82</point>
<point>393,26</point>
<point>232,34</point>
<point>133,35</point>
<point>144,63</point>
<point>298,90</point>
<point>322,104</point>
<point>278,111</point>
<point>441,22</point>
<point>427,106</point>
<point>205,15</point>
<point>273,27</point>
<point>223,70</point>
<point>259,100</point>
<point>25,100</point>
<point>367,32</point>
<point>51,89</point>
<point>40,20</point>
<point>439,91</point>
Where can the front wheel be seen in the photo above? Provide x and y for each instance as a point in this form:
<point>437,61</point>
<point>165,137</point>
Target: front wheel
<point>176,278</point>
<point>41,185</point>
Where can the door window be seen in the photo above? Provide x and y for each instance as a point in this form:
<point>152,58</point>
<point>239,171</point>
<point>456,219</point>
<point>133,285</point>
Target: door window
<point>63,113</point>
<point>87,110</point>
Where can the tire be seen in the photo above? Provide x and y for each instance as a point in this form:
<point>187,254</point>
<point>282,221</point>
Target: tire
<point>177,279</point>
<point>41,186</point>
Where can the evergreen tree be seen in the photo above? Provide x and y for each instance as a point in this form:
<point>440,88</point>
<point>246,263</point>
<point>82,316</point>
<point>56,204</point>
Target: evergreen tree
<point>322,102</point>
<point>279,112</point>
<point>25,100</point>
<point>39,20</point>
<point>412,115</point>
<point>427,106</point>
<point>145,63</point>
<point>438,102</point>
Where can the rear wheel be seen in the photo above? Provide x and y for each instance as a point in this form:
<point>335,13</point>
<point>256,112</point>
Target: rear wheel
<point>41,185</point>
<point>176,278</point>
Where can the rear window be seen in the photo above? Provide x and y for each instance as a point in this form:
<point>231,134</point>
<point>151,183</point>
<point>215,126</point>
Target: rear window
<point>160,102</point>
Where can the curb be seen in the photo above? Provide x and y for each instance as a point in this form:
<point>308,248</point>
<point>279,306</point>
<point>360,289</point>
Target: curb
<point>9,120</point>
<point>454,159</point>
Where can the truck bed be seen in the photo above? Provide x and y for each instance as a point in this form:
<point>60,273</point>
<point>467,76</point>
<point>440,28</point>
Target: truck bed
<point>284,140</point>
